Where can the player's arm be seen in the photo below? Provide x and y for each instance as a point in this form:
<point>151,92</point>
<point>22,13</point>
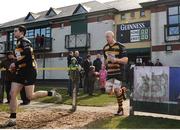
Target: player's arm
<point>27,56</point>
<point>123,59</point>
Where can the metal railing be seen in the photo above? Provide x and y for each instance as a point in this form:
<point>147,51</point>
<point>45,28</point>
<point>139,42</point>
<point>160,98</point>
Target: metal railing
<point>77,41</point>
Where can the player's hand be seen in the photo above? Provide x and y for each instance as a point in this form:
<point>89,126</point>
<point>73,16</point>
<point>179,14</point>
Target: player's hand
<point>12,66</point>
<point>113,60</point>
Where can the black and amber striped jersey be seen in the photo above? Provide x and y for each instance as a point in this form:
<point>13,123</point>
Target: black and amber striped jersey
<point>116,50</point>
<point>24,54</point>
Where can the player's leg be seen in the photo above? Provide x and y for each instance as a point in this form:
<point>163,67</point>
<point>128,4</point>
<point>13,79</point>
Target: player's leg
<point>119,96</point>
<point>31,95</point>
<point>15,89</point>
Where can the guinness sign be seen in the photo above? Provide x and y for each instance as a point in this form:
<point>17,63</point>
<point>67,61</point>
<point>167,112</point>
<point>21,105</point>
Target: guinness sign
<point>133,32</point>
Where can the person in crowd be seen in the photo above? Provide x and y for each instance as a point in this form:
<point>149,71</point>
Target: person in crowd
<point>8,75</point>
<point>115,56</point>
<point>80,62</point>
<point>138,63</point>
<point>149,63</point>
<point>102,78</point>
<point>97,63</point>
<point>42,41</point>
<point>38,40</point>
<point>92,75</point>
<point>158,63</point>
<point>86,66</point>
<point>70,56</point>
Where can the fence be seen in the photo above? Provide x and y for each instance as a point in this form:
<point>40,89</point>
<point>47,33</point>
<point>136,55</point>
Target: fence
<point>157,90</point>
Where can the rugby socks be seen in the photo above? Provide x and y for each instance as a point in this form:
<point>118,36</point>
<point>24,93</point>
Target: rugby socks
<point>13,115</point>
<point>120,102</point>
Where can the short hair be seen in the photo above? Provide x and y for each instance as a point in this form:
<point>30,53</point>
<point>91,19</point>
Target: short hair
<point>109,32</point>
<point>22,29</point>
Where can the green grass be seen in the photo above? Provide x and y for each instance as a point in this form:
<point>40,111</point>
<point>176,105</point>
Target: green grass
<point>5,108</point>
<point>135,122</point>
<point>97,99</point>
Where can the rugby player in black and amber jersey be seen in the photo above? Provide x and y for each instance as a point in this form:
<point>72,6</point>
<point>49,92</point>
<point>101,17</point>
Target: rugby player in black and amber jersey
<point>25,74</point>
<point>115,58</point>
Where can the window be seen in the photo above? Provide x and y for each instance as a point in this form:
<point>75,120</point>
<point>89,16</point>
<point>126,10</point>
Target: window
<point>142,13</point>
<point>123,16</point>
<point>132,14</point>
<point>173,20</point>
<point>37,36</point>
<point>12,41</point>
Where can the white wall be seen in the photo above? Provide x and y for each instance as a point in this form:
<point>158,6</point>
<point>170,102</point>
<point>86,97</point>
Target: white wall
<point>97,31</point>
<point>58,35</point>
<point>167,58</point>
<point>56,62</point>
<point>158,20</point>
<point>50,63</point>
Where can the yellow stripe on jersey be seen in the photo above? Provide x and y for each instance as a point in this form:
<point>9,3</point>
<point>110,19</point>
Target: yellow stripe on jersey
<point>113,65</point>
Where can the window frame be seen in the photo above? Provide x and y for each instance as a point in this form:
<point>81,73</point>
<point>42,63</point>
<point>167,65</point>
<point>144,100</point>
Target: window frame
<point>48,32</point>
<point>123,14</point>
<point>142,10</point>
<point>173,25</point>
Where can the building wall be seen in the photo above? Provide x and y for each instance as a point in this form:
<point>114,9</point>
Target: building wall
<point>136,18</point>
<point>58,35</point>
<point>97,31</point>
<point>167,58</point>
<point>130,19</point>
<point>158,20</point>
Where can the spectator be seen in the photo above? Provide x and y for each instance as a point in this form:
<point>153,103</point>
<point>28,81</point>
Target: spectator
<point>42,41</point>
<point>102,78</point>
<point>158,63</point>
<point>92,75</point>
<point>80,62</point>
<point>70,56</point>
<point>138,63</point>
<point>8,75</point>
<point>97,63</point>
<point>79,59</point>
<point>149,63</point>
<point>38,40</point>
<point>74,74</point>
<point>86,66</point>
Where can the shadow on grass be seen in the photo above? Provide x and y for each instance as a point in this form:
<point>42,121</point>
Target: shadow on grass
<point>135,122</point>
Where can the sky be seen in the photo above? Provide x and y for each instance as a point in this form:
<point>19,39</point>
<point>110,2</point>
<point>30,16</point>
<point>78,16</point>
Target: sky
<point>13,9</point>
